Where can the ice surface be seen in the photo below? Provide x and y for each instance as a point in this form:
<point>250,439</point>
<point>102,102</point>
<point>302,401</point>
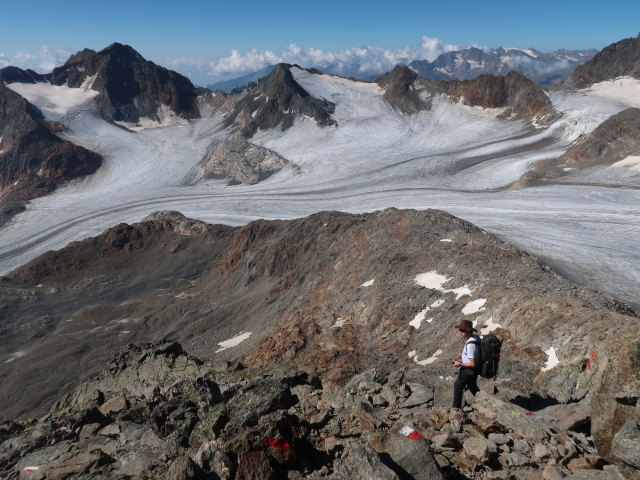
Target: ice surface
<point>625,89</point>
<point>55,100</point>
<point>451,158</point>
<point>632,162</point>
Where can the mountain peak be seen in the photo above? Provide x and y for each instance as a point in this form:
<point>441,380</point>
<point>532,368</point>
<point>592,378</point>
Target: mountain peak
<point>120,50</point>
<point>278,99</point>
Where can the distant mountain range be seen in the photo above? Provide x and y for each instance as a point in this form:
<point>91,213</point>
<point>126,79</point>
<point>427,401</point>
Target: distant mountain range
<point>542,68</point>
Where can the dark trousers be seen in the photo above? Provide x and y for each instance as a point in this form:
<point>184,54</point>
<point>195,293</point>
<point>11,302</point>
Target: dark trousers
<point>467,377</point>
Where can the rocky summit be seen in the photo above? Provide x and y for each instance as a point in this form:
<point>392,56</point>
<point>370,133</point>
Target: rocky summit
<point>156,412</point>
<point>617,60</point>
<point>129,87</point>
<point>276,101</point>
<point>364,305</point>
<point>514,94</point>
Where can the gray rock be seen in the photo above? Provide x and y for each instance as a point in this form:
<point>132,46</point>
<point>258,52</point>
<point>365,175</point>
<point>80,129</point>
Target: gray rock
<point>500,439</point>
<point>524,423</point>
<point>360,462</point>
<point>412,456</point>
<point>420,395</point>
<point>571,416</point>
<point>447,440</point>
<point>551,472</point>
<point>242,161</point>
<point>514,459</point>
<point>626,444</point>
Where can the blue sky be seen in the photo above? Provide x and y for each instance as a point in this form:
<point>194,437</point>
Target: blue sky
<point>199,37</point>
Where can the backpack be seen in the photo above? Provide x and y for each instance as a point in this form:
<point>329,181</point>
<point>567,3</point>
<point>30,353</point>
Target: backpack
<point>490,346</point>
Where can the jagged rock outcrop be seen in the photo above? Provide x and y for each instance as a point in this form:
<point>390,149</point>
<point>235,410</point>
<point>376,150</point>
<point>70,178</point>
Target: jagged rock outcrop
<point>129,86</point>
<point>33,159</point>
<point>615,139</point>
<point>617,60</point>
<point>515,94</point>
<point>400,90</point>
<point>278,100</point>
<point>520,97</point>
<point>14,74</point>
<point>156,412</point>
<point>242,161</point>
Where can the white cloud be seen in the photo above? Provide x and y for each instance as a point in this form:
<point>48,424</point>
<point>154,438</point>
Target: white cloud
<point>362,61</point>
<point>42,61</point>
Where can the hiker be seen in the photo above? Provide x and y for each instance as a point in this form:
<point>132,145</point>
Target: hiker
<point>468,361</point>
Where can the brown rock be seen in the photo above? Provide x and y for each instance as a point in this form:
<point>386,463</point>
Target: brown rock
<point>113,405</point>
<point>551,472</point>
<point>183,468</point>
<point>579,463</point>
<point>74,463</point>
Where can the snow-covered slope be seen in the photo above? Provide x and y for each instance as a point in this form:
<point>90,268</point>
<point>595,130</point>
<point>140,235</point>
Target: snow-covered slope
<point>453,157</point>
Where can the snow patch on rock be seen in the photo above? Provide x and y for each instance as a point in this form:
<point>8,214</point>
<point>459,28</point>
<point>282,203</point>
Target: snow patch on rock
<point>234,341</point>
<point>489,326</point>
<point>632,162</point>
<point>552,360</point>
<point>368,283</point>
<point>474,306</point>
<point>434,281</point>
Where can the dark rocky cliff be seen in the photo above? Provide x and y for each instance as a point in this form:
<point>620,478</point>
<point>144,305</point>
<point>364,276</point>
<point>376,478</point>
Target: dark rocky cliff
<point>129,86</point>
<point>33,159</point>
<point>276,101</point>
<point>521,98</point>
<point>619,59</point>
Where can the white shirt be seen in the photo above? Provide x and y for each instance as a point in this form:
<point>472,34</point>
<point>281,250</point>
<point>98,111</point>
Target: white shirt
<point>471,350</point>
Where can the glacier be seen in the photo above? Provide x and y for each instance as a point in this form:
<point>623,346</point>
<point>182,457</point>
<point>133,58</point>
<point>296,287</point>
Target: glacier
<point>454,158</point>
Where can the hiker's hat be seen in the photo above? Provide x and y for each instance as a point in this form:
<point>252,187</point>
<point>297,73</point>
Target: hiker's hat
<point>465,326</point>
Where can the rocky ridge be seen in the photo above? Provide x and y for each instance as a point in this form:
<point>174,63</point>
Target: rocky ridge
<point>129,86</point>
<point>156,412</point>
<point>334,295</point>
<point>612,141</point>
<point>275,102</point>
<point>516,95</point>
<point>34,160</point>
<point>542,68</point>
<point>617,60</point>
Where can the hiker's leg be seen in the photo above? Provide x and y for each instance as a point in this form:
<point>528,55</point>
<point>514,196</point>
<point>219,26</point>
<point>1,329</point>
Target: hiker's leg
<point>458,388</point>
<point>472,383</point>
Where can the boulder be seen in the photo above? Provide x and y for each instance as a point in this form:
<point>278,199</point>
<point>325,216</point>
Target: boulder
<point>410,453</point>
<point>361,462</point>
<point>615,398</point>
<point>479,449</point>
<point>572,416</point>
<point>626,445</point>
<point>526,424</point>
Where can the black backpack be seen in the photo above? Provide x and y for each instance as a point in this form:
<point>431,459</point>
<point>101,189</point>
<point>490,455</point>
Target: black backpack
<point>490,346</point>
